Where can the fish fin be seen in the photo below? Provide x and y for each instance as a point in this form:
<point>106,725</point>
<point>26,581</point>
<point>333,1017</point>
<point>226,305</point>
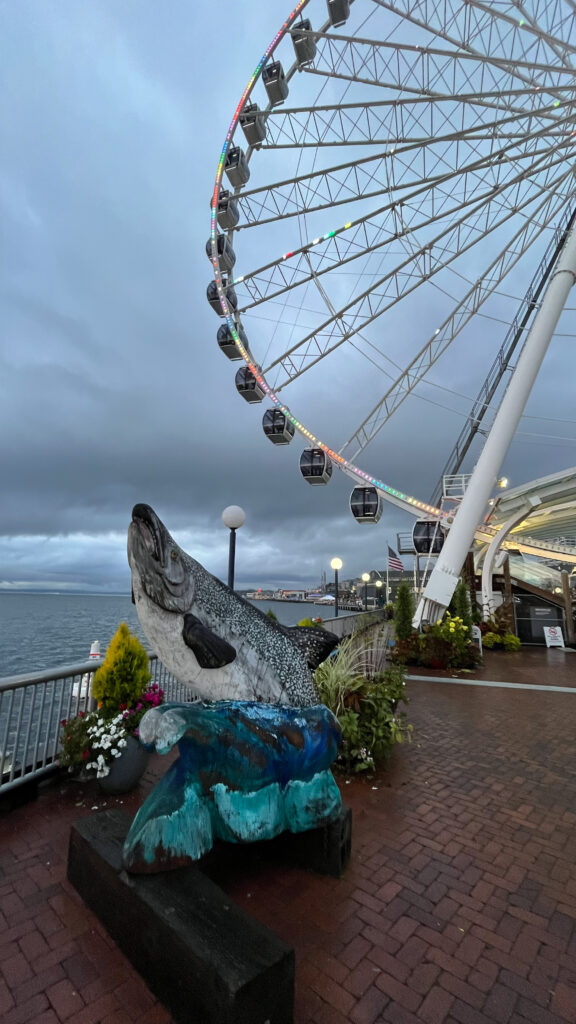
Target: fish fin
<point>315,644</point>
<point>210,650</point>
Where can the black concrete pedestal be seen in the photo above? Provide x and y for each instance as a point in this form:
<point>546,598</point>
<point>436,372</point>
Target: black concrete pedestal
<point>325,850</point>
<point>203,957</point>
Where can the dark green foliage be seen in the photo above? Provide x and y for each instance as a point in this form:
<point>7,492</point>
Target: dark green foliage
<point>271,615</point>
<point>404,612</point>
<point>460,603</point>
<point>511,642</point>
<point>366,706</point>
<point>124,674</point>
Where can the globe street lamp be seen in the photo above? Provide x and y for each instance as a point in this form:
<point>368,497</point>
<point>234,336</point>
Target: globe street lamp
<point>378,585</point>
<point>366,580</point>
<point>336,564</point>
<point>233,517</point>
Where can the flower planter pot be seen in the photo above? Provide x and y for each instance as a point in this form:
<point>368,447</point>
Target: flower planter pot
<point>126,770</point>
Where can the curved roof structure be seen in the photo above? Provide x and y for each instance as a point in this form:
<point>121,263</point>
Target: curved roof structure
<point>549,529</point>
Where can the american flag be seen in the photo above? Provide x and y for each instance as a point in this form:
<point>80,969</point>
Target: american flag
<point>393,561</point>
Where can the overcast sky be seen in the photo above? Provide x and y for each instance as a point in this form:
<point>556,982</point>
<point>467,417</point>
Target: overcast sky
<point>112,390</point>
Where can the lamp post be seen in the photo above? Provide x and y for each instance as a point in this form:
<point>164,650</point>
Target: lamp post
<point>336,564</point>
<point>233,517</point>
<point>365,580</point>
<point>379,586</point>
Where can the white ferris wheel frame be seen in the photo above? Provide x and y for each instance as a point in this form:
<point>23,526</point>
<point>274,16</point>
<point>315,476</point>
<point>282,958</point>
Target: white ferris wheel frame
<point>473,504</point>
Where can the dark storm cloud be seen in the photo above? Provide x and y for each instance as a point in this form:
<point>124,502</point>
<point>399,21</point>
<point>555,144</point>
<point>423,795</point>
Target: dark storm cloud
<point>111,387</point>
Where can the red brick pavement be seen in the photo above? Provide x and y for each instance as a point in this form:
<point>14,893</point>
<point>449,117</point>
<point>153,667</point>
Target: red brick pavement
<point>458,906</point>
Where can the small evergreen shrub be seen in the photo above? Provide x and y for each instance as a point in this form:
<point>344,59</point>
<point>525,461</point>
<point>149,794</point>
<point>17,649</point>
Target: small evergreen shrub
<point>460,603</point>
<point>124,674</point>
<point>271,615</point>
<point>404,612</point>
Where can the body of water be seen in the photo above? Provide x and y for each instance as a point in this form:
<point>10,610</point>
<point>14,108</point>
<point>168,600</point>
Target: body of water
<point>44,631</point>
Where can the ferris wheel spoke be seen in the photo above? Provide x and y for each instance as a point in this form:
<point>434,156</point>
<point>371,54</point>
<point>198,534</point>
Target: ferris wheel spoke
<point>390,122</point>
<point>424,70</point>
<point>503,157</point>
<point>523,19</point>
<point>356,179</point>
<point>443,337</point>
<point>423,264</point>
<point>473,27</point>
<point>372,232</point>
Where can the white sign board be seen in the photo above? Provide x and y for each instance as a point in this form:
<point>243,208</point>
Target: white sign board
<point>477,635</point>
<point>553,636</point>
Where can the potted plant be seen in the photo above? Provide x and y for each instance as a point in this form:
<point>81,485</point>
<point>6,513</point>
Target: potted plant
<point>104,743</point>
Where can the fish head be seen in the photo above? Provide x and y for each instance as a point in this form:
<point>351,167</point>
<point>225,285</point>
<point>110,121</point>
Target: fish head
<point>164,570</point>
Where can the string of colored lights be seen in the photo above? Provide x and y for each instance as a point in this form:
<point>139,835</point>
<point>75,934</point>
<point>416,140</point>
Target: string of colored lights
<point>407,501</point>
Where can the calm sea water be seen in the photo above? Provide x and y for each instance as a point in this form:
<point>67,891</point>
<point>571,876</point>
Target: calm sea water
<point>43,631</point>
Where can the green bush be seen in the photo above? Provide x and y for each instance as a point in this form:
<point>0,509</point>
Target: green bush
<point>511,642</point>
<point>490,639</point>
<point>313,623</point>
<point>392,682</point>
<point>124,674</point>
<point>460,603</point>
<point>404,612</point>
<point>271,615</point>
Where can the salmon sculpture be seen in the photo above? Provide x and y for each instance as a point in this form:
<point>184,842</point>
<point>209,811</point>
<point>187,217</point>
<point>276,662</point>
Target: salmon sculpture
<point>256,748</point>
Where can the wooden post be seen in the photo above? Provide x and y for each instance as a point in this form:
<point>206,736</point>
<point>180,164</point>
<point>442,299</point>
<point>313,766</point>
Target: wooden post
<point>470,577</point>
<point>508,602</point>
<point>568,607</point>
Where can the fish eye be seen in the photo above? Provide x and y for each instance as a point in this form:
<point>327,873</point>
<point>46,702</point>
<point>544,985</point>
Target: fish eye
<point>173,555</point>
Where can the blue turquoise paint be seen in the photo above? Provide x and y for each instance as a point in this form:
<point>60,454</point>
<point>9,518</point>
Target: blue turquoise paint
<point>246,772</point>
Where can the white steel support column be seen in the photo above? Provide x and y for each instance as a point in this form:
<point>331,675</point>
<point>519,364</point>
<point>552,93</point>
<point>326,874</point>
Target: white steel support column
<point>444,577</point>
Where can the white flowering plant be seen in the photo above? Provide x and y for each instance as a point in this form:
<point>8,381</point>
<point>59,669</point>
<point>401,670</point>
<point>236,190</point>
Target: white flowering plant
<point>107,741</point>
<point>91,741</point>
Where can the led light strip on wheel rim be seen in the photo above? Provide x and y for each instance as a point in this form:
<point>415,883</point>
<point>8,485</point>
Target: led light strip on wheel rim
<point>393,495</point>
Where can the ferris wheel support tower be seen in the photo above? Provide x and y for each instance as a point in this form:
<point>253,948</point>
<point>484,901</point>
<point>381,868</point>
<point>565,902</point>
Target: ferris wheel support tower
<point>444,576</point>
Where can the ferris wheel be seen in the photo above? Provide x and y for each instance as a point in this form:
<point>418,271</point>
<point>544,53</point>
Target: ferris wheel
<point>389,170</point>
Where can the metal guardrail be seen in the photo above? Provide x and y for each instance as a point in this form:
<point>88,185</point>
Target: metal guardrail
<point>33,706</point>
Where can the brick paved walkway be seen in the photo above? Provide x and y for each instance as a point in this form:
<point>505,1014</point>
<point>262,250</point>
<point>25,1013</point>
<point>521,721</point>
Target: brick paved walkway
<point>459,904</point>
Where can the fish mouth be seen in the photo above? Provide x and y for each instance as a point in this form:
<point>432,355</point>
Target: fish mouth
<point>158,561</point>
<point>150,531</point>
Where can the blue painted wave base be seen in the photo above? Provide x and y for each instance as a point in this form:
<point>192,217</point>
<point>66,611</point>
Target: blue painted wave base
<point>246,772</point>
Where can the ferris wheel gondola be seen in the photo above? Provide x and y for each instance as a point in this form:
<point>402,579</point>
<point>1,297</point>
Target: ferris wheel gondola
<point>427,537</point>
<point>227,342</point>
<point>315,466</point>
<point>248,385</point>
<point>277,427</point>
<point>366,504</point>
